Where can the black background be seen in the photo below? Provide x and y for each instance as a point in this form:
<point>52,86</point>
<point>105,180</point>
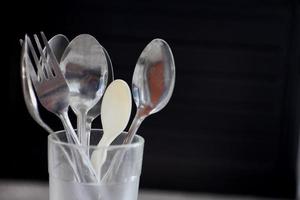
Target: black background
<point>231,125</point>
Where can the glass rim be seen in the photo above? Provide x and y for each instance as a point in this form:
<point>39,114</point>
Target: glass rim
<point>53,140</point>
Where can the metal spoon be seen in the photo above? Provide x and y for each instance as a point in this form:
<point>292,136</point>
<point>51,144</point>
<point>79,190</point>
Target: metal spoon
<point>152,87</point>
<point>58,44</point>
<point>95,111</point>
<point>153,82</point>
<point>85,69</point>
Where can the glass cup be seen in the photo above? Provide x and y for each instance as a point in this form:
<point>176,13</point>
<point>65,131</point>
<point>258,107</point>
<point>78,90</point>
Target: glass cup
<point>71,175</point>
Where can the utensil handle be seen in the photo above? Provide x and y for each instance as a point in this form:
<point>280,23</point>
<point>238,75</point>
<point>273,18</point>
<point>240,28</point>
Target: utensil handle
<point>118,158</point>
<point>68,127</point>
<point>98,158</point>
<point>82,129</point>
<point>74,168</point>
<point>50,131</point>
<point>86,164</point>
<point>88,126</point>
<point>137,121</point>
<point>46,127</point>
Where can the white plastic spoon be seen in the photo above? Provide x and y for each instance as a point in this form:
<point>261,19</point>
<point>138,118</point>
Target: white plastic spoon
<point>115,113</point>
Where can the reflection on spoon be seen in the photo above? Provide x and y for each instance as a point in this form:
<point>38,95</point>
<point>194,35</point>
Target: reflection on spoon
<point>153,82</point>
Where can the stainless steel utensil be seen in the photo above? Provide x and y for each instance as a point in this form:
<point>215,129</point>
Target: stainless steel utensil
<point>94,112</point>
<point>57,43</point>
<point>30,98</point>
<point>153,82</point>
<point>28,92</point>
<point>152,87</point>
<point>53,92</point>
<point>84,66</point>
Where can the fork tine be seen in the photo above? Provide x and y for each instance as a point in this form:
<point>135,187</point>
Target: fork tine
<point>44,60</point>
<point>29,67</point>
<point>36,60</point>
<point>53,59</point>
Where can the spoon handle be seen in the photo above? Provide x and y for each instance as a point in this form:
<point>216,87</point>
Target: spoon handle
<point>43,125</point>
<point>99,156</point>
<point>82,160</point>
<point>68,127</point>
<point>117,159</point>
<point>81,127</point>
<point>88,126</point>
<point>137,121</point>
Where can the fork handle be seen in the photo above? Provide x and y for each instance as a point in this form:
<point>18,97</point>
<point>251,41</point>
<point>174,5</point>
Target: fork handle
<point>68,127</point>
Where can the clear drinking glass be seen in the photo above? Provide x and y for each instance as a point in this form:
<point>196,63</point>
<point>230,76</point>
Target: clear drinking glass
<point>119,181</point>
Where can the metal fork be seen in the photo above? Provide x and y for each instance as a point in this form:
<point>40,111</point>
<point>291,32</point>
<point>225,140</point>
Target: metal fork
<point>32,106</point>
<point>53,93</point>
<point>28,92</point>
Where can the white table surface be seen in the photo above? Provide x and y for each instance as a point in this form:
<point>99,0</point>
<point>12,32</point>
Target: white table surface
<point>39,191</point>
